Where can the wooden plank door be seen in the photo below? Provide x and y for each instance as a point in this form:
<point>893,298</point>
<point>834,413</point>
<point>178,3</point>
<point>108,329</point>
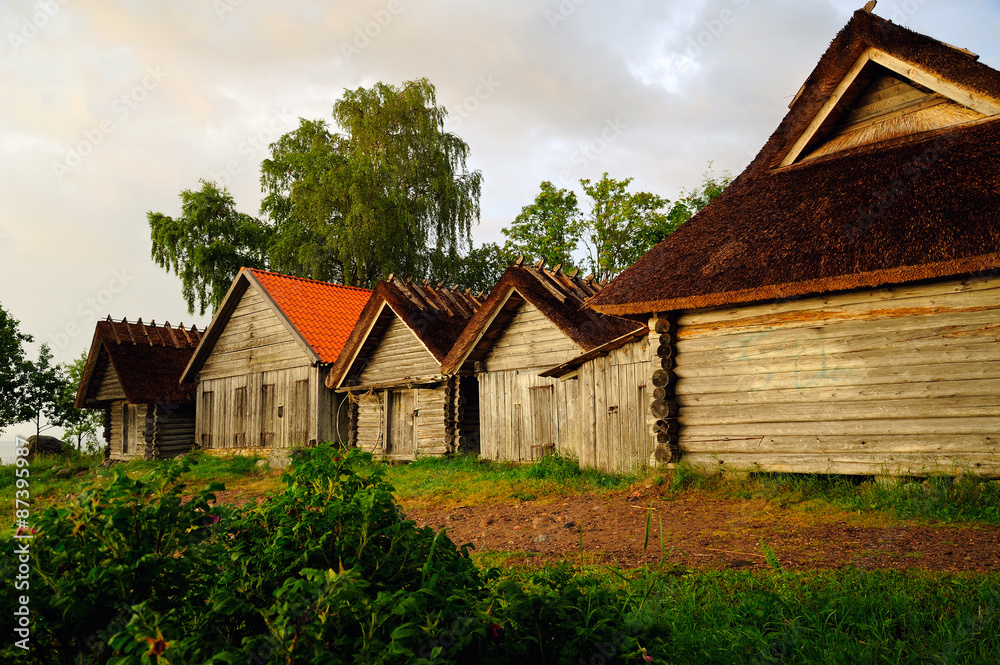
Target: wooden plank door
<point>299,413</point>
<point>543,425</point>
<point>401,434</point>
<point>268,411</point>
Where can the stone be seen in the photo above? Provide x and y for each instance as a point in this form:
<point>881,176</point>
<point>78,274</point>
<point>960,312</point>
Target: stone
<point>46,445</point>
<point>279,458</point>
<point>541,538</point>
<point>261,463</point>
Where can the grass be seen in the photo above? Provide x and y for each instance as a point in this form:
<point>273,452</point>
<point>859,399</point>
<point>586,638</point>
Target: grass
<point>843,616</point>
<point>46,486</point>
<point>467,480</point>
<point>937,498</point>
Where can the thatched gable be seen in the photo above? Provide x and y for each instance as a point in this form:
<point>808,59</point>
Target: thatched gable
<point>866,182</point>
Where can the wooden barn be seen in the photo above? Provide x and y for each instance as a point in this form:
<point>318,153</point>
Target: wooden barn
<point>402,405</point>
<point>837,309</point>
<point>261,363</point>
<point>531,322</point>
<point>132,373</point>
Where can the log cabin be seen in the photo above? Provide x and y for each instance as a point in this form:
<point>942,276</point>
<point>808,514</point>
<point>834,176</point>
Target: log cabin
<point>837,308</point>
<point>260,366</point>
<point>531,322</point>
<point>132,373</point>
<point>401,404</point>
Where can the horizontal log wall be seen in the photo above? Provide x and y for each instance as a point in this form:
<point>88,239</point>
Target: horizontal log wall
<point>615,394</point>
<point>108,387</point>
<point>428,433</point>
<point>173,430</point>
<point>901,381</point>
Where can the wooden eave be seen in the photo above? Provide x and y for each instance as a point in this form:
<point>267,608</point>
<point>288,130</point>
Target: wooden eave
<point>575,363</point>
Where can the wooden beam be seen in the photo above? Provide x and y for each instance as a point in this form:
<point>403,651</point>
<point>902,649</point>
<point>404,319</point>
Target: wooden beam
<point>827,108</point>
<point>956,93</point>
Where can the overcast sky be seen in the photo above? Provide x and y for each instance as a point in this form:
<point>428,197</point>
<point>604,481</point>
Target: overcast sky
<point>109,108</point>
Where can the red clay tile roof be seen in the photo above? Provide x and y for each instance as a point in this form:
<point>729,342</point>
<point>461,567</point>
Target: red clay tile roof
<point>148,360</point>
<point>436,317</point>
<point>323,313</point>
<point>913,207</point>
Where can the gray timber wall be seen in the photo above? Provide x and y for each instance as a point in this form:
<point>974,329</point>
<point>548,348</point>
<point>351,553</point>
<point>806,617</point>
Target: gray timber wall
<point>895,381</point>
<point>615,421</point>
<point>258,388</point>
<point>523,415</point>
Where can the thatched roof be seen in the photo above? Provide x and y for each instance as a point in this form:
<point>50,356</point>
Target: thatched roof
<point>436,316</point>
<point>146,359</point>
<point>829,204</point>
<point>558,296</point>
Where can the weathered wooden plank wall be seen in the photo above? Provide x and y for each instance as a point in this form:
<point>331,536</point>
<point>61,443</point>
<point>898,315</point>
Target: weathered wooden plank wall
<point>403,423</point>
<point>902,381</point>
<point>128,420</point>
<point>398,357</point>
<point>258,388</point>
<point>615,420</point>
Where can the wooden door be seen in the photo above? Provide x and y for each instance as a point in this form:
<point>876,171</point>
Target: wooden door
<point>268,413</point>
<point>299,413</point>
<point>401,434</point>
<point>543,425</point>
<point>206,417</point>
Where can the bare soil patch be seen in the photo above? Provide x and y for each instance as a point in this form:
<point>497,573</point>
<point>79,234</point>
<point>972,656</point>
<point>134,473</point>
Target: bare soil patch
<point>708,532</point>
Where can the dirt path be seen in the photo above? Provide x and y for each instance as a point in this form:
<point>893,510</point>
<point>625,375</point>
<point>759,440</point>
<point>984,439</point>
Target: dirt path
<point>712,533</point>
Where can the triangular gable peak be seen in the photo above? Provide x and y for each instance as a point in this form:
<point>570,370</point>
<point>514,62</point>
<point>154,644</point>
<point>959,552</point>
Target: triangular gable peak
<point>883,97</point>
<point>882,172</point>
<point>139,362</point>
<point>557,296</point>
<point>425,319</point>
<point>319,316</point>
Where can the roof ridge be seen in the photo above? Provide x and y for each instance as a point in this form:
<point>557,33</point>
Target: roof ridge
<point>258,271</point>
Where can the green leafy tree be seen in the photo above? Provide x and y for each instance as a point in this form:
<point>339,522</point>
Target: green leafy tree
<point>387,193</point>
<point>690,204</point>
<point>12,366</point>
<point>207,244</point>
<point>616,225</point>
<point>478,270</point>
<point>549,228</point>
<point>42,391</point>
<point>80,423</point>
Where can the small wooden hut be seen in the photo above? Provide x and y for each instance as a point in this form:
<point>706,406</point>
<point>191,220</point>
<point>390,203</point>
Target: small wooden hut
<point>260,366</point>
<point>132,374</point>
<point>402,405</point>
<point>836,310</point>
<point>531,322</point>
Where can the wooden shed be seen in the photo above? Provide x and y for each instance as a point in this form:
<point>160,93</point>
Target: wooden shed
<point>132,373</point>
<point>261,364</point>
<point>531,322</point>
<point>402,404</point>
<point>837,309</point>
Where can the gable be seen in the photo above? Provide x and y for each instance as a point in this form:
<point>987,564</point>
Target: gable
<point>105,386</point>
<point>881,98</point>
<point>529,340</point>
<point>397,357</point>
<point>253,339</point>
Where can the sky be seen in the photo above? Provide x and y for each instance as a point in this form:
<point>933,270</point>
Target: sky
<point>110,108</point>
